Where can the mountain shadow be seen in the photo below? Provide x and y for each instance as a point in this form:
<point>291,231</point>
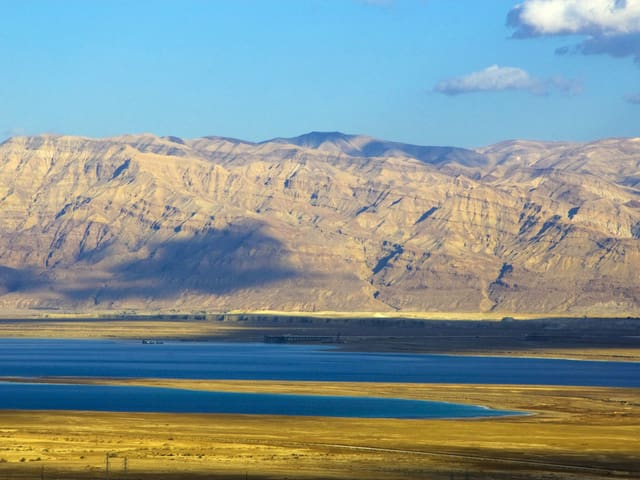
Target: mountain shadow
<point>216,262</point>
<point>360,146</point>
<point>21,280</point>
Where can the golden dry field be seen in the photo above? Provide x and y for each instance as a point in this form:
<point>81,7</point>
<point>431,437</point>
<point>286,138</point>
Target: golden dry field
<point>573,433</point>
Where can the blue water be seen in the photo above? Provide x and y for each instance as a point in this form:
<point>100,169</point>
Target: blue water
<point>200,360</point>
<point>152,399</point>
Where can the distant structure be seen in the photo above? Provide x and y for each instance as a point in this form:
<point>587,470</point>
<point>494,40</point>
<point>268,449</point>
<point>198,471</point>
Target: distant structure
<point>301,339</point>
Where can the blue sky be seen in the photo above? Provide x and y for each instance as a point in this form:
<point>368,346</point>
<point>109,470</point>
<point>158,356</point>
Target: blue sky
<point>431,72</point>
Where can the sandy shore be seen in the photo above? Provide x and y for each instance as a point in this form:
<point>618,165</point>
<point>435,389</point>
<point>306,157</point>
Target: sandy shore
<point>581,339</point>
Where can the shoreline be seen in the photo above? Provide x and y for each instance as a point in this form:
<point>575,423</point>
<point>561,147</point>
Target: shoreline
<point>42,314</point>
<point>598,339</point>
<point>302,388</point>
<point>490,395</point>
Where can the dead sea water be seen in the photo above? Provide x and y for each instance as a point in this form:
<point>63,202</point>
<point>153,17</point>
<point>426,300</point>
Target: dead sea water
<point>37,358</point>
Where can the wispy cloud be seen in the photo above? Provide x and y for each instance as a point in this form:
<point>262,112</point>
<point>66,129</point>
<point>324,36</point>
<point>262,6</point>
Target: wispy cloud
<point>380,3</point>
<point>633,98</point>
<point>612,27</point>
<point>12,132</point>
<point>499,79</point>
<point>564,85</point>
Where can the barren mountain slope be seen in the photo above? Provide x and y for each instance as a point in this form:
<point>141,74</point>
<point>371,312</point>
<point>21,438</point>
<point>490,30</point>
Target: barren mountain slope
<point>325,221</point>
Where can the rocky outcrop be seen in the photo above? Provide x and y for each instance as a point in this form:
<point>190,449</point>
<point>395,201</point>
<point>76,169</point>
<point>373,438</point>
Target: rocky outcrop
<point>325,221</point>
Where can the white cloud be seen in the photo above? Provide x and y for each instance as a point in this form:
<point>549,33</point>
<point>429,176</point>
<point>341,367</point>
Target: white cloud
<point>611,26</point>
<point>568,17</point>
<point>498,79</point>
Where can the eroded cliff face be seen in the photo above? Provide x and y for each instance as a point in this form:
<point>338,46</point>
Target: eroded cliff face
<point>324,221</point>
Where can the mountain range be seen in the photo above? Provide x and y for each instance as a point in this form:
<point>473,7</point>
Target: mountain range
<point>320,222</point>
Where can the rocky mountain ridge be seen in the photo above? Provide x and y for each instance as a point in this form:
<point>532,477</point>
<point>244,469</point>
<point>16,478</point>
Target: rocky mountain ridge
<point>324,221</point>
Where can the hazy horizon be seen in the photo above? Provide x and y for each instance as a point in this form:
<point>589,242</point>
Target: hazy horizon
<point>350,134</point>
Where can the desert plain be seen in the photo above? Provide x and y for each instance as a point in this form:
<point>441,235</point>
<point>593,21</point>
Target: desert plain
<point>563,432</point>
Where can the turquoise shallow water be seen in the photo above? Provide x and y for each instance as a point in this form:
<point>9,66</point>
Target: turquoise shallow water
<point>37,396</point>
